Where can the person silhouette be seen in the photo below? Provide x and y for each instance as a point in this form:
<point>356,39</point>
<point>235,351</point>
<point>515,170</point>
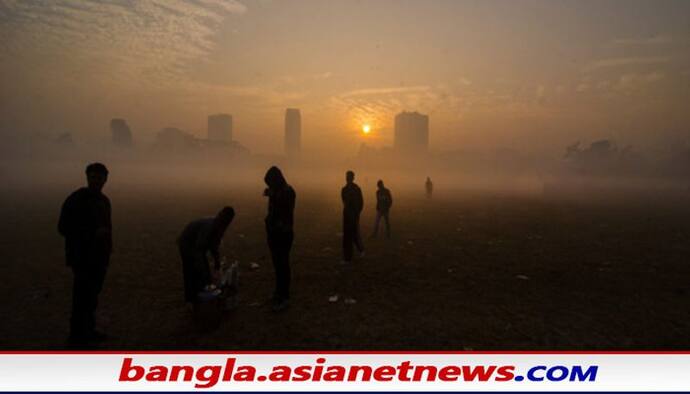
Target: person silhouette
<point>353,203</point>
<point>199,238</point>
<point>279,233</point>
<point>429,187</point>
<point>85,223</point>
<point>384,201</point>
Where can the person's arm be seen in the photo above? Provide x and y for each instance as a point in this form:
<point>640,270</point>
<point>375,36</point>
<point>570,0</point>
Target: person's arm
<point>204,245</point>
<point>360,200</point>
<point>66,221</point>
<point>106,231</point>
<point>292,196</point>
<point>215,254</point>
<point>108,218</point>
<point>390,199</point>
<point>211,243</point>
<point>286,206</point>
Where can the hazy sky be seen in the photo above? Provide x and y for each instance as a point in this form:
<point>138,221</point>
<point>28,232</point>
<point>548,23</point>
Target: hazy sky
<point>531,74</point>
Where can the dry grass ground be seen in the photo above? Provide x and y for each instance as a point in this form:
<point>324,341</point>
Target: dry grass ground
<point>464,271</point>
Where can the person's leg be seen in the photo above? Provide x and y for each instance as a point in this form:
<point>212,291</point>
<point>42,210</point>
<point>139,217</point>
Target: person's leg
<point>80,297</point>
<point>281,268</point>
<point>386,216</point>
<point>281,252</point>
<point>286,246</point>
<point>274,247</point>
<point>96,280</point>
<point>188,275</point>
<point>358,236</point>
<point>348,238</point>
<point>195,273</point>
<point>376,225</point>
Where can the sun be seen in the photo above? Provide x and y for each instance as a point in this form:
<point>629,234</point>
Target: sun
<point>366,129</point>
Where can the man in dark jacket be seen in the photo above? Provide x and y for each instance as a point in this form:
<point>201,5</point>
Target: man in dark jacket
<point>384,201</point>
<point>86,226</point>
<point>198,238</point>
<point>353,203</point>
<point>279,232</point>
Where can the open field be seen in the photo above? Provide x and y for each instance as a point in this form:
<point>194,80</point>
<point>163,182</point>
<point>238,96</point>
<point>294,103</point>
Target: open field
<point>464,271</point>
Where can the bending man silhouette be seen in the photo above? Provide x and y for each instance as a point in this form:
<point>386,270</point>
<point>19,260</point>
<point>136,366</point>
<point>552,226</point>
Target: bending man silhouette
<point>279,233</point>
<point>384,201</point>
<point>353,203</point>
<point>86,225</point>
<point>198,238</point>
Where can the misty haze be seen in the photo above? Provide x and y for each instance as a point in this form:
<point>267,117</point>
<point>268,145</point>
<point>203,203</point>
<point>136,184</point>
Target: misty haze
<point>536,155</point>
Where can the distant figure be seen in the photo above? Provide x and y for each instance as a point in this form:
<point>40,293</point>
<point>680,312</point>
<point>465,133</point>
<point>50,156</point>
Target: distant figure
<point>384,201</point>
<point>353,203</point>
<point>279,232</point>
<point>429,187</point>
<point>85,223</point>
<point>198,238</point>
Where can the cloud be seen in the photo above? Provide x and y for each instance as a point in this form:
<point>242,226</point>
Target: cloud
<point>464,81</point>
<point>633,81</point>
<point>122,40</point>
<point>385,91</point>
<point>300,79</point>
<point>379,105</point>
<point>324,75</point>
<point>582,87</point>
<point>626,61</point>
<point>623,84</point>
<point>655,40</point>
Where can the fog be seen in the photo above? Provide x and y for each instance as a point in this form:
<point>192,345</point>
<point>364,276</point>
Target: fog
<point>534,76</point>
<point>539,97</point>
<point>594,171</point>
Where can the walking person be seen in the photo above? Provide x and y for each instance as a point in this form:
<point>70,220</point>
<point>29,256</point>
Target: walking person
<point>384,201</point>
<point>280,233</point>
<point>353,203</point>
<point>85,223</point>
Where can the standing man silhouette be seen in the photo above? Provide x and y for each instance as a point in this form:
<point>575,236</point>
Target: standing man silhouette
<point>384,201</point>
<point>85,224</point>
<point>353,203</point>
<point>279,232</point>
<point>429,187</point>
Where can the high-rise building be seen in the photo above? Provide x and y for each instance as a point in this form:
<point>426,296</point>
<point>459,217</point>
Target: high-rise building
<point>411,132</point>
<point>121,135</point>
<point>220,127</point>
<point>293,132</point>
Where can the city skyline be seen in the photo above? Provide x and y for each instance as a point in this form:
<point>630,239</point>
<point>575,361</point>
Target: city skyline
<point>534,75</point>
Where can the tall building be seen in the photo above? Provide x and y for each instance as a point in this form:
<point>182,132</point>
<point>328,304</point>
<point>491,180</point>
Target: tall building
<point>293,132</point>
<point>121,135</point>
<point>220,127</point>
<point>411,132</point>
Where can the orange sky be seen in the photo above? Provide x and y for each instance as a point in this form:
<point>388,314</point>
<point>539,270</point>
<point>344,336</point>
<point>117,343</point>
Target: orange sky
<point>530,74</point>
